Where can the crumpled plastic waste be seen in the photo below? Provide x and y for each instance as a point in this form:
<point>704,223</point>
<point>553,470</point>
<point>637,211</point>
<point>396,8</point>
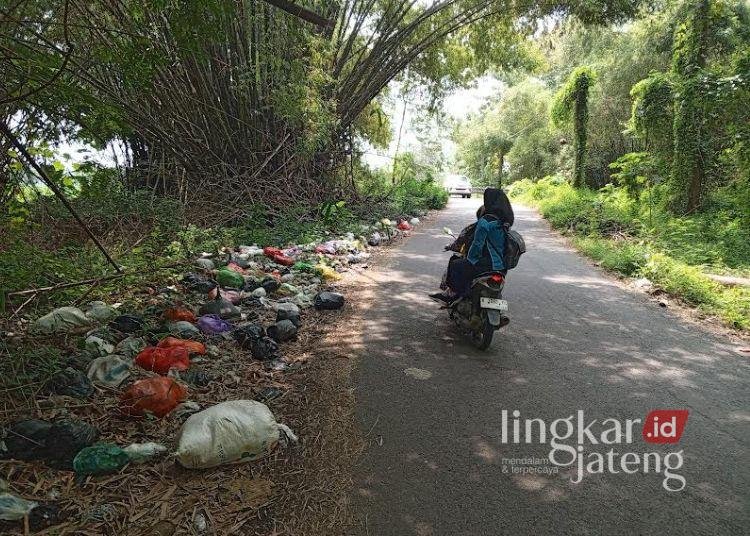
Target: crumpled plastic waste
<point>270,283</point>
<point>183,329</point>
<point>246,334</point>
<point>196,377</point>
<point>326,272</point>
<point>251,251</point>
<point>198,283</point>
<point>286,278</point>
<point>193,347</point>
<point>186,408</point>
<point>288,311</point>
<point>404,225</point>
<point>283,260</point>
<point>259,292</point>
<point>270,252</point>
<point>70,382</point>
<point>55,442</point>
<point>213,325</point>
<point>162,360</point>
<point>130,346</point>
<point>329,301</point>
<point>221,307</point>
<point>177,314</point>
<point>230,278</point>
<point>233,266</point>
<point>100,312</point>
<point>127,323</point>
<point>205,264</point>
<point>45,516</point>
<point>229,432</point>
<point>97,346</point>
<point>264,348</point>
<point>281,331</point>
<point>61,320</point>
<point>414,221</point>
<point>13,508</point>
<point>303,267</point>
<point>233,296</point>
<point>158,396</point>
<point>142,452</point>
<point>109,370</point>
<point>100,459</point>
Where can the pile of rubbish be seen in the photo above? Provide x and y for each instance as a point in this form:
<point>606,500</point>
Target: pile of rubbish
<point>249,299</point>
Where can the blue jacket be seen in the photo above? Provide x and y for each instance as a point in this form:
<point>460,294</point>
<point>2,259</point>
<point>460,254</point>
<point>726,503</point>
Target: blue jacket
<point>489,236</point>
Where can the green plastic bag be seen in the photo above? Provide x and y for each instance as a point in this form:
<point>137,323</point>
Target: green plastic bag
<point>229,278</point>
<point>100,459</point>
<point>303,267</point>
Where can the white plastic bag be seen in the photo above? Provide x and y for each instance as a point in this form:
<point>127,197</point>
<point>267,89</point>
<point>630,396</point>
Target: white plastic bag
<point>61,320</point>
<point>109,370</point>
<point>13,507</point>
<point>230,432</point>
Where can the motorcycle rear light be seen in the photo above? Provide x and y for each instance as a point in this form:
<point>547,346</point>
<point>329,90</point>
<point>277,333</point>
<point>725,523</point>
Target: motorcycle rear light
<point>497,278</point>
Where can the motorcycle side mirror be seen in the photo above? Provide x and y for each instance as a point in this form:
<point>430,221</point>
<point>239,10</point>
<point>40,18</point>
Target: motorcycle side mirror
<point>447,231</point>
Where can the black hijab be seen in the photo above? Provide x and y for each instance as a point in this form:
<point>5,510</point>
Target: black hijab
<point>497,204</point>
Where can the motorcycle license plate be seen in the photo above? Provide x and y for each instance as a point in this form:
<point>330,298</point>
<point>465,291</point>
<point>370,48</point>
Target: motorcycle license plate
<point>493,303</point>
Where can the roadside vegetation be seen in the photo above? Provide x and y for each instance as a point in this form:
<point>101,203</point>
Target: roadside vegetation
<point>634,140</point>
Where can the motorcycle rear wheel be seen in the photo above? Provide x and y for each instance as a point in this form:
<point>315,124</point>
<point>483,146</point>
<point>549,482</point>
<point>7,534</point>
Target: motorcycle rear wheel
<point>482,338</point>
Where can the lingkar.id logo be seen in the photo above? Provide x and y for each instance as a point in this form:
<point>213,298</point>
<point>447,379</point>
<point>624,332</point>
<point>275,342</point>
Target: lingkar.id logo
<point>568,438</point>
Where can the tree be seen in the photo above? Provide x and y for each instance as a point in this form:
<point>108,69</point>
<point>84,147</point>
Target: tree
<point>571,103</point>
<point>499,144</point>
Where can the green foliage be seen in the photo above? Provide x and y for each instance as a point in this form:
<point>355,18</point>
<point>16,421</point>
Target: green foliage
<point>571,102</point>
<point>335,215</point>
<point>636,171</point>
<point>652,114</point>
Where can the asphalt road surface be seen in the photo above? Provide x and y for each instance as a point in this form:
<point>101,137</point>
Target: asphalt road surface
<point>430,405</point>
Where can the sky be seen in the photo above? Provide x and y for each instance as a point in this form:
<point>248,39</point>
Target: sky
<point>458,105</point>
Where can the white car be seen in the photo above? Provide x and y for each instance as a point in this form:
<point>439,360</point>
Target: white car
<point>459,186</point>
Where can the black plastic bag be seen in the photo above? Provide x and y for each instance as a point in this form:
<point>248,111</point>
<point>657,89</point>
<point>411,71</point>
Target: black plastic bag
<point>57,443</point>
<point>198,283</point>
<point>264,348</point>
<point>329,301</point>
<point>127,323</point>
<point>283,330</point>
<point>246,334</point>
<point>70,382</point>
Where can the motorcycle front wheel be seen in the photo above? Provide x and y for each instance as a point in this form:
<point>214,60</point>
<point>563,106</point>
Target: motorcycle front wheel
<point>482,338</point>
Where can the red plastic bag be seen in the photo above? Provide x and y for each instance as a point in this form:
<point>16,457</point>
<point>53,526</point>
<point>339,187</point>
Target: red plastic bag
<point>158,395</point>
<point>283,259</point>
<point>193,347</point>
<point>177,314</point>
<point>161,360</point>
<point>235,268</point>
<point>271,252</point>
<point>404,225</point>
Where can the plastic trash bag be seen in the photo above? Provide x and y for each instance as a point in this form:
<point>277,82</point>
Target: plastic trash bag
<point>61,320</point>
<point>193,347</point>
<point>283,330</point>
<point>329,301</point>
<point>13,508</point>
<point>55,442</point>
<point>213,325</point>
<point>97,346</point>
<point>70,382</point>
<point>100,312</point>
<point>283,260</point>
<point>198,283</point>
<point>404,225</point>
<point>270,283</point>
<point>142,452</point>
<point>233,296</point>
<point>130,347</point>
<point>127,323</point>
<point>100,459</point>
<point>229,278</point>
<point>264,348</point>
<point>220,306</point>
<point>259,292</point>
<point>157,396</point>
<point>109,370</point>
<point>251,251</point>
<point>246,334</point>
<point>45,516</point>
<point>177,314</point>
<point>270,252</point>
<point>229,432</point>
<point>233,266</point>
<point>162,360</point>
<point>414,221</point>
<point>183,329</point>
<point>289,311</point>
<point>303,267</point>
<point>326,272</point>
<point>205,264</point>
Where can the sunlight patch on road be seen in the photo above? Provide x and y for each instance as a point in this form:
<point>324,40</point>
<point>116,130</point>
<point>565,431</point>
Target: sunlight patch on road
<point>418,374</point>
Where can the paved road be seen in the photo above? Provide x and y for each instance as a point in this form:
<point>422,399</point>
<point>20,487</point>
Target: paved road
<point>435,461</point>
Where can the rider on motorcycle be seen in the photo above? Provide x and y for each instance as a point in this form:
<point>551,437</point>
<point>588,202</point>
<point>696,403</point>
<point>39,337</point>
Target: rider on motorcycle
<point>485,254</point>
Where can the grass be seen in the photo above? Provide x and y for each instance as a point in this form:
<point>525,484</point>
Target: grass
<point>641,239</point>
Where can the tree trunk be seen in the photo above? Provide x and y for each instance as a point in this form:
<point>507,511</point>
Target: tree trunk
<point>500,171</point>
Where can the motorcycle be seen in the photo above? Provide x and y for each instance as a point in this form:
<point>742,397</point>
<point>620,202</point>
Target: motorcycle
<point>482,312</point>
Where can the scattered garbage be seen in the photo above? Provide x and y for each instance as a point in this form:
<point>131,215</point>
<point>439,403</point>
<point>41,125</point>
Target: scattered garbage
<point>162,360</point>
<point>183,329</point>
<point>283,330</point>
<point>414,221</point>
<point>329,301</point>
<point>61,320</point>
<point>176,314</point>
<point>264,348</point>
<point>229,432</point>
<point>259,292</point>
<point>111,370</point>
<point>326,272</point>
<point>404,225</point>
<point>127,323</point>
<point>70,382</point>
<point>100,312</point>
<point>246,334</point>
<point>13,508</point>
<point>193,347</point>
<point>374,239</point>
<point>55,442</point>
<point>130,346</point>
<point>230,278</point>
<point>100,459</point>
<point>97,346</point>
<point>142,452</point>
<point>44,516</point>
<point>221,307</point>
<point>157,396</point>
<point>196,376</point>
<point>198,283</point>
<point>205,264</point>
<point>186,408</point>
<point>213,325</point>
<point>200,524</point>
